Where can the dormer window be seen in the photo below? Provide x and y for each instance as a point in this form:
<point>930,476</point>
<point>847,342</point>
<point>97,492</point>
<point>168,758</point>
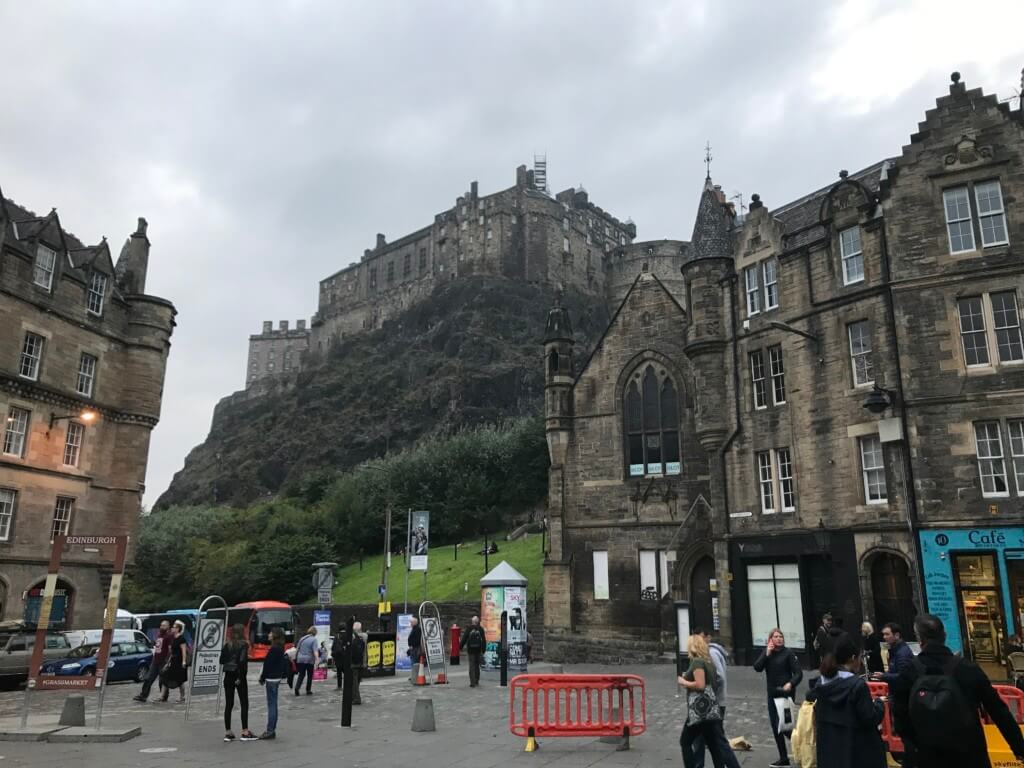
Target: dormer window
<point>97,292</point>
<point>46,259</point>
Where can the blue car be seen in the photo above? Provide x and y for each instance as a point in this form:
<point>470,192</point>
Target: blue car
<point>128,661</point>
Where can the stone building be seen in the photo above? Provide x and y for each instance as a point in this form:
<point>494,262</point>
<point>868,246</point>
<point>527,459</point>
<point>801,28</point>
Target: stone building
<point>521,233</point>
<point>83,351</point>
<point>820,423</point>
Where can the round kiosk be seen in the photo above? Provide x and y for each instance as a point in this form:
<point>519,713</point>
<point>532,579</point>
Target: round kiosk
<point>504,590</point>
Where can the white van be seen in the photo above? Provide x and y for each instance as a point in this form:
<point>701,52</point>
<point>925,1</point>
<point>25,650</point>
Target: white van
<point>77,637</point>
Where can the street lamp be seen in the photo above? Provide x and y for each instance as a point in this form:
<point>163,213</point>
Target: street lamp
<point>87,415</point>
<point>879,399</point>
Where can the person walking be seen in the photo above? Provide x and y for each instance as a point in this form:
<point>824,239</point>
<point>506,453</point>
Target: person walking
<point>306,657</point>
<point>822,640</point>
<point>719,658</point>
<point>474,640</point>
<point>782,676</point>
<point>901,657</point>
<point>937,703</point>
<point>415,646</point>
<point>161,650</point>
<point>234,660</point>
<point>872,648</point>
<point>703,715</point>
<point>359,643</point>
<point>175,669</point>
<point>275,669</point>
<point>341,651</point>
<point>845,716</point>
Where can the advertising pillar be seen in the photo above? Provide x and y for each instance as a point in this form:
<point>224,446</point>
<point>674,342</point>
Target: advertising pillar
<point>504,589</point>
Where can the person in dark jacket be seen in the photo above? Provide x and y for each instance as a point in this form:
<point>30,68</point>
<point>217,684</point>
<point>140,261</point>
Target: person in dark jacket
<point>782,676</point>
<point>901,657</point>
<point>275,669</point>
<point>359,641</point>
<point>845,717</point>
<point>234,660</point>
<point>474,640</point>
<point>341,652</point>
<point>976,690</point>
<point>415,643</point>
<point>822,640</point>
<point>872,648</point>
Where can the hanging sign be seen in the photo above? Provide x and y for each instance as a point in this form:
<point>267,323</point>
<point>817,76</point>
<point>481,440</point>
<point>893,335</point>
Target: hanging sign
<point>419,540</point>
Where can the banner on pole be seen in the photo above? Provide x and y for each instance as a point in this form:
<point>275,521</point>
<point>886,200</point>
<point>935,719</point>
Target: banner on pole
<point>404,625</point>
<point>419,540</point>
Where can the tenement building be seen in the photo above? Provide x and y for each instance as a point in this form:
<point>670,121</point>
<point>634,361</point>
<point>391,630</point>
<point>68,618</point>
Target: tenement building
<point>823,412</point>
<point>82,356</point>
<point>521,233</point>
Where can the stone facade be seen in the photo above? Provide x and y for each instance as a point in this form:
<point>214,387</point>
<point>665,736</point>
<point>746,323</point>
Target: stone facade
<point>789,496</point>
<point>83,351</point>
<point>521,233</point>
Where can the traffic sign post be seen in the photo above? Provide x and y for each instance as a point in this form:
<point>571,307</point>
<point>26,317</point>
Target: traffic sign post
<point>40,682</point>
<point>323,582</point>
<point>433,642</point>
<point>205,677</point>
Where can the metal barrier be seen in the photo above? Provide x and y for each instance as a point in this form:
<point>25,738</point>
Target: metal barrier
<point>1013,697</point>
<point>577,705</point>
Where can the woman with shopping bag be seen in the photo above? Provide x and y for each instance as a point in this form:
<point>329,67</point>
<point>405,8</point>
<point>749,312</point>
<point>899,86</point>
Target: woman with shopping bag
<point>703,710</point>
<point>782,676</point>
<point>846,718</point>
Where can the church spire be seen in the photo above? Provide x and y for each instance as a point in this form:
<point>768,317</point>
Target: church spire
<point>711,228</point>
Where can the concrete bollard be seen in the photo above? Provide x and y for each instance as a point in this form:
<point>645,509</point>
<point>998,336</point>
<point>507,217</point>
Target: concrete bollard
<point>423,716</point>
<point>73,713</point>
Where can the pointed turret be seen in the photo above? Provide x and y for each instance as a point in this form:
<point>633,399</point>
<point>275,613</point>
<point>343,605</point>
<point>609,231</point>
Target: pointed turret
<point>711,228</point>
<point>133,263</point>
<point>558,380</point>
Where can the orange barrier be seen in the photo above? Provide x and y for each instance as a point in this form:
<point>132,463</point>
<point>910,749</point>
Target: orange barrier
<point>576,705</point>
<point>1013,697</point>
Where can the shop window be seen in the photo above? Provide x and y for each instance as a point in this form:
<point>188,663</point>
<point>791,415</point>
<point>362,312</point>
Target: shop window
<point>982,611</point>
<point>600,575</point>
<point>652,424</point>
<point>774,596</point>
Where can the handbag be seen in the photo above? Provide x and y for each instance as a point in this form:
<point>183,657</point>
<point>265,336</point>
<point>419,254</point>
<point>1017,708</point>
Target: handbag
<point>702,706</point>
<point>805,737</point>
<point>784,709</point>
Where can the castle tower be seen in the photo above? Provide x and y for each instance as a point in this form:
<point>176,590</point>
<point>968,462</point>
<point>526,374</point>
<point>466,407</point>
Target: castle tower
<point>708,276</point>
<point>558,384</point>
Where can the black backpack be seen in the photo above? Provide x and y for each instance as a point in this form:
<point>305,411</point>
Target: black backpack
<point>358,650</point>
<point>475,641</point>
<point>939,711</point>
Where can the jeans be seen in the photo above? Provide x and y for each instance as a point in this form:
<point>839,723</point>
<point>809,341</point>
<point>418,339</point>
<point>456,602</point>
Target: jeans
<point>272,689</point>
<point>151,677</point>
<point>474,668</point>
<point>780,740</point>
<point>706,730</point>
<point>715,733</point>
<point>305,670</point>
<point>233,681</point>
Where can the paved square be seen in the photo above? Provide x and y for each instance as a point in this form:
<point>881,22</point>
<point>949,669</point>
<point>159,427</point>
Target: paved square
<point>472,728</point>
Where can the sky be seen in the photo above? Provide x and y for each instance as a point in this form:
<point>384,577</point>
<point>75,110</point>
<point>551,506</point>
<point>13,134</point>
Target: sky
<point>268,142</point>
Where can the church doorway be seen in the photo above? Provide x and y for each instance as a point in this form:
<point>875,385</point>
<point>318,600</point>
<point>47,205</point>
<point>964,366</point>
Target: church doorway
<point>893,593</point>
<point>701,594</point>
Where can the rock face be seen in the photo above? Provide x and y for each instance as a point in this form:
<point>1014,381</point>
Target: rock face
<point>471,354</point>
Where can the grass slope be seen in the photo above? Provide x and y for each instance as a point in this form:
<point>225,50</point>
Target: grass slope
<point>447,576</point>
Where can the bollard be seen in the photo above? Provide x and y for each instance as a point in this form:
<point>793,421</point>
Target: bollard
<point>423,716</point>
<point>73,713</point>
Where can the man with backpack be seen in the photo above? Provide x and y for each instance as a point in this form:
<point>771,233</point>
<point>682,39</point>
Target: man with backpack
<point>937,705</point>
<point>474,641</point>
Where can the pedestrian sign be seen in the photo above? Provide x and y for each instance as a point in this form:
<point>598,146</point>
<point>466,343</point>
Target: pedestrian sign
<point>206,667</point>
<point>324,596</point>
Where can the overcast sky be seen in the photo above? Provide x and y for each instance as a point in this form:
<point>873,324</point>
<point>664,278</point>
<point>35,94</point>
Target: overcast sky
<point>268,142</point>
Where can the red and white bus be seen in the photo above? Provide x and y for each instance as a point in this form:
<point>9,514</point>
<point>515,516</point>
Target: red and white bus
<point>259,617</point>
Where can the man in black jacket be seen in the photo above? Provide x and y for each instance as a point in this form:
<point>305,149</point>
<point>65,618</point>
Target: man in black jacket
<point>976,693</point>
<point>341,652</point>
<point>474,641</point>
<point>415,648</point>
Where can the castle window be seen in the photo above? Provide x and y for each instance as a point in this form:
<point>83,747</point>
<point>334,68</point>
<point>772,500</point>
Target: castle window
<point>373,277</point>
<point>652,425</point>
<point>391,271</point>
<point>97,292</point>
<point>853,255</point>
<point>481,220</point>
<point>565,244</point>
<point>553,362</point>
<point>423,259</point>
<point>565,223</point>
<point>46,259</point>
<point>407,265</point>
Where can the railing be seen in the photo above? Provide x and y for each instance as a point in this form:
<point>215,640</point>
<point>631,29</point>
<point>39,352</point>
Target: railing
<point>577,705</point>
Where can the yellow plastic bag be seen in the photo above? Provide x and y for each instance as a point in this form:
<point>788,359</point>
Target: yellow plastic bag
<point>805,738</point>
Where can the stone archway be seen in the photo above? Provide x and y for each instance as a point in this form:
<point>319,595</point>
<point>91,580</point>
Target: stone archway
<point>701,594</point>
<point>892,591</point>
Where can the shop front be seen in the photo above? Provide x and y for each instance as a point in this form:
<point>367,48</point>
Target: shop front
<point>789,581</point>
<point>974,582</point>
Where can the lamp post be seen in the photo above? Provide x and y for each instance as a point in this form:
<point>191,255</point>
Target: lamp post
<point>86,415</point>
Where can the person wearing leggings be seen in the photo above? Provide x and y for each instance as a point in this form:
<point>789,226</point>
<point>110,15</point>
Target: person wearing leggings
<point>234,659</point>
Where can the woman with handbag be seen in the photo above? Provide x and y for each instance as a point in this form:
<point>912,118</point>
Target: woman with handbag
<point>845,716</point>
<point>234,660</point>
<point>704,714</point>
<point>175,671</point>
<point>782,676</point>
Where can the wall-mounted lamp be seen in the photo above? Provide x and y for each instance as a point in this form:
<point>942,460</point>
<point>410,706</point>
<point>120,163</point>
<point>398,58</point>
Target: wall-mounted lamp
<point>87,416</point>
<point>879,399</point>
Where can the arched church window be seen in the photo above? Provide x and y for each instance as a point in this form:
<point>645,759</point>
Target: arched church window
<point>553,362</point>
<point>652,424</point>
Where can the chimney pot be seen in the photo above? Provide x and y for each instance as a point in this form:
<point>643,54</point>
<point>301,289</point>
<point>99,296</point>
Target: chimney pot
<point>381,242</point>
<point>268,326</point>
<point>141,228</point>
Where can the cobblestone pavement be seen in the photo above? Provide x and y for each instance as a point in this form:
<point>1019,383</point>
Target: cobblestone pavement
<point>472,728</point>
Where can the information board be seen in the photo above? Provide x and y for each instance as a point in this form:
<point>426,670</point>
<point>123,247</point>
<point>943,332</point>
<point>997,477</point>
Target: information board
<point>206,664</point>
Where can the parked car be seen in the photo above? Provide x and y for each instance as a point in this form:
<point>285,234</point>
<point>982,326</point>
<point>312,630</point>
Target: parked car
<point>79,637</point>
<point>128,661</point>
<point>17,641</point>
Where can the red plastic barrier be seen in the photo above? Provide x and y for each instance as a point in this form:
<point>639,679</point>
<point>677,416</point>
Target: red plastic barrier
<point>1013,697</point>
<point>577,705</point>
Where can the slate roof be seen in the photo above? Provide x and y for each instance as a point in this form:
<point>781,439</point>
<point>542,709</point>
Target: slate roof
<point>799,219</point>
<point>711,238</point>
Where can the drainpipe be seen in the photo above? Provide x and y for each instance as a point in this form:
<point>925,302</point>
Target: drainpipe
<point>908,467</point>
